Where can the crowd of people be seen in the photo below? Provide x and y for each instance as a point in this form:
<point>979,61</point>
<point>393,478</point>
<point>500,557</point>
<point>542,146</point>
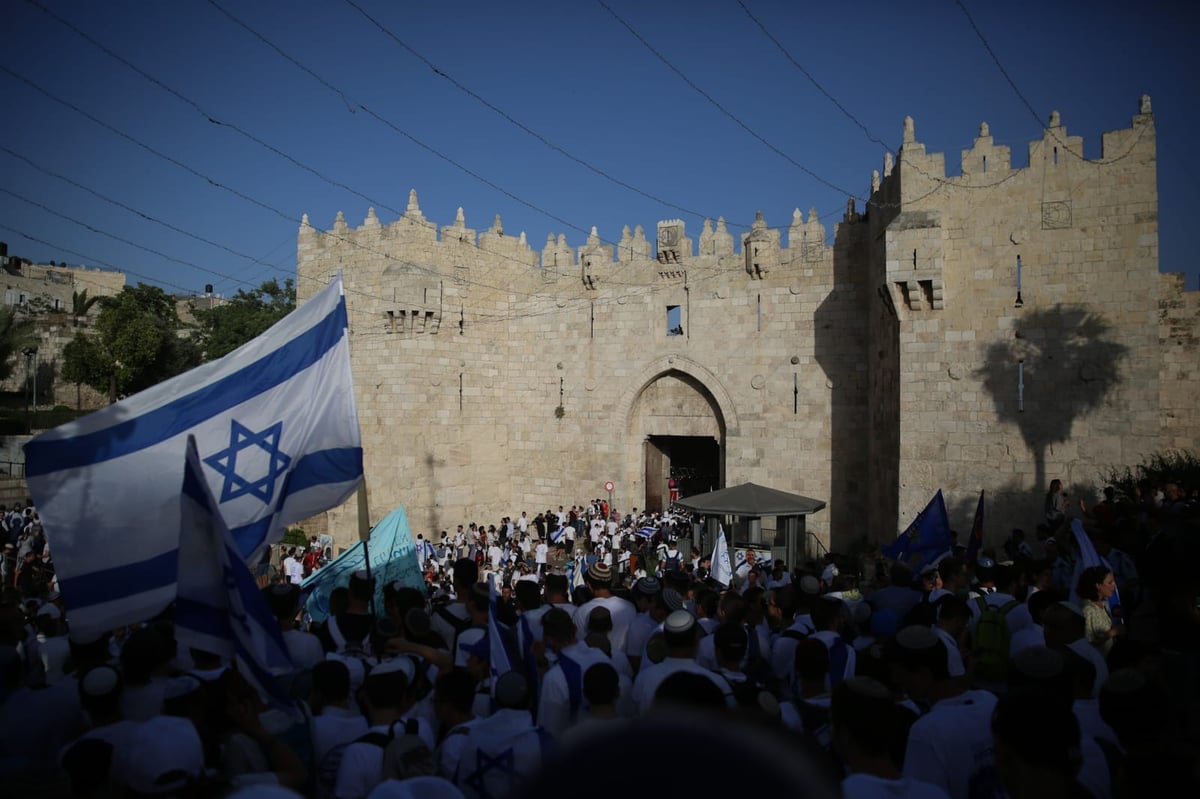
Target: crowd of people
<point>608,660</point>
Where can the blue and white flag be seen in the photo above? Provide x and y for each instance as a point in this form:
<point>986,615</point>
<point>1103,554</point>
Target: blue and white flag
<point>503,648</point>
<point>426,551</point>
<point>722,571</point>
<point>557,535</point>
<point>577,577</point>
<point>927,538</point>
<point>646,532</point>
<point>393,556</point>
<point>277,431</point>
<point>219,607</point>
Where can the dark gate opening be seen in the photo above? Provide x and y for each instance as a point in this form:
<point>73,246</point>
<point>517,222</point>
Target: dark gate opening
<point>694,462</point>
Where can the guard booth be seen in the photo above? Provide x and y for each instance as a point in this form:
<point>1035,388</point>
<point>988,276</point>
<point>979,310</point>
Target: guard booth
<point>741,511</point>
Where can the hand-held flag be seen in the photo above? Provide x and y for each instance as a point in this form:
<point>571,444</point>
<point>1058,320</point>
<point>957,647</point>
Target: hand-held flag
<point>927,538</point>
<point>219,607</point>
<point>722,571</point>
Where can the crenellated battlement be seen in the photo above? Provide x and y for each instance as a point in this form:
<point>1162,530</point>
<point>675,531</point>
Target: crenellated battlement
<point>917,173</point>
<point>805,239</point>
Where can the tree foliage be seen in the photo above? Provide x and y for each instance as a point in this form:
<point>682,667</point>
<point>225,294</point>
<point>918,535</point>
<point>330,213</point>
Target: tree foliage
<point>1170,466</point>
<point>244,316</point>
<point>136,341</point>
<point>16,333</point>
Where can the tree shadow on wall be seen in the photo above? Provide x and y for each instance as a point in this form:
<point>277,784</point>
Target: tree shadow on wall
<point>1070,366</point>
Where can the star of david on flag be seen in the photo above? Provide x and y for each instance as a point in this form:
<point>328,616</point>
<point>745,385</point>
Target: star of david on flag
<point>225,462</point>
<point>277,424</point>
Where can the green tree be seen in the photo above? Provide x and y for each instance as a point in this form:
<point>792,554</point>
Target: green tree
<point>16,334</point>
<point>81,303</point>
<point>243,317</point>
<point>135,344</point>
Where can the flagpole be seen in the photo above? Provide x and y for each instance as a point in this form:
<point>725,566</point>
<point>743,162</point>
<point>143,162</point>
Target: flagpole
<point>364,533</point>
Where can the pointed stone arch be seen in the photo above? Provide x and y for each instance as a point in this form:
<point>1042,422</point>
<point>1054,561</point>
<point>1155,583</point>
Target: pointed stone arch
<point>644,419</point>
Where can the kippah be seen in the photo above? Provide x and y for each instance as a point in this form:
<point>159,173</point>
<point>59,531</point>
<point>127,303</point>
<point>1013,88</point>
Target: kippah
<point>917,638</point>
<point>672,599</point>
<point>599,572</point>
<point>100,681</point>
<point>400,664</point>
<point>680,621</point>
<point>1039,662</point>
<point>810,585</point>
<point>648,586</point>
<point>868,687</point>
<point>512,690</point>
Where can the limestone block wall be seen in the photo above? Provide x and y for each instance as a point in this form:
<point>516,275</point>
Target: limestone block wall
<point>1179,370</point>
<point>991,330</point>
<point>464,351</point>
<point>1003,393</point>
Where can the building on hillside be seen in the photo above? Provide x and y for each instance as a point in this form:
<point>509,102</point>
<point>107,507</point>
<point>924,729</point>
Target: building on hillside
<point>990,330</point>
<point>46,294</point>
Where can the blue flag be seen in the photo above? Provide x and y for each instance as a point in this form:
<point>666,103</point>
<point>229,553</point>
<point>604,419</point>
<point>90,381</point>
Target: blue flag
<point>926,539</point>
<point>219,608</point>
<point>277,432</point>
<point>393,557</point>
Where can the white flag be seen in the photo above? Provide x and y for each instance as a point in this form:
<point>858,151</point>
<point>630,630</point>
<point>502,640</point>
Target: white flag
<point>277,432</point>
<point>219,608</point>
<point>722,571</point>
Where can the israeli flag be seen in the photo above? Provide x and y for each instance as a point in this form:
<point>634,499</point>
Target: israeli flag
<point>577,578</point>
<point>503,648</point>
<point>557,535</point>
<point>277,432</point>
<point>427,551</point>
<point>646,532</point>
<point>722,572</point>
<point>219,608</point>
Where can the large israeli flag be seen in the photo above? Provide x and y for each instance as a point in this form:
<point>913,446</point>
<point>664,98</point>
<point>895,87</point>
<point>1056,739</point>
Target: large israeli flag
<point>219,608</point>
<point>277,432</point>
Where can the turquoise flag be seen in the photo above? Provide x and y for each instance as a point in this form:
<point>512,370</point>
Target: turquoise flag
<point>393,556</point>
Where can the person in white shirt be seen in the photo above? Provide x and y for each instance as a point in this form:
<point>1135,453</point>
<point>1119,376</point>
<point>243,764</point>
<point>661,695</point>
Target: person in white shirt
<point>540,554</point>
<point>599,578</point>
<point>560,701</point>
<point>866,723</point>
<point>335,722</point>
<point>453,702</point>
<point>508,736</point>
<point>680,634</point>
<point>304,648</point>
<point>951,745</point>
<point>386,695</point>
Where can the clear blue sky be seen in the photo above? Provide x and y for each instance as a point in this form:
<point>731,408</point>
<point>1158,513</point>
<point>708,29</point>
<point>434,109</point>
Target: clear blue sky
<point>569,71</point>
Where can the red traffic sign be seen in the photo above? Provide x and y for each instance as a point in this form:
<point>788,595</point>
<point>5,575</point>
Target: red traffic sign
<point>609,486</point>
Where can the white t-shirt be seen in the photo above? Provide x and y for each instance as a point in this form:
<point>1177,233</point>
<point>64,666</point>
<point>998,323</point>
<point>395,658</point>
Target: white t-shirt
<point>540,552</point>
<point>951,746</point>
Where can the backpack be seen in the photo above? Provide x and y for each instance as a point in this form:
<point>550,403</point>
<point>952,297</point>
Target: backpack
<point>404,755</point>
<point>671,563</point>
<point>991,644</point>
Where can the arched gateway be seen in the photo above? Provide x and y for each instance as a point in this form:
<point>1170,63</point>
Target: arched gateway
<point>677,419</point>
